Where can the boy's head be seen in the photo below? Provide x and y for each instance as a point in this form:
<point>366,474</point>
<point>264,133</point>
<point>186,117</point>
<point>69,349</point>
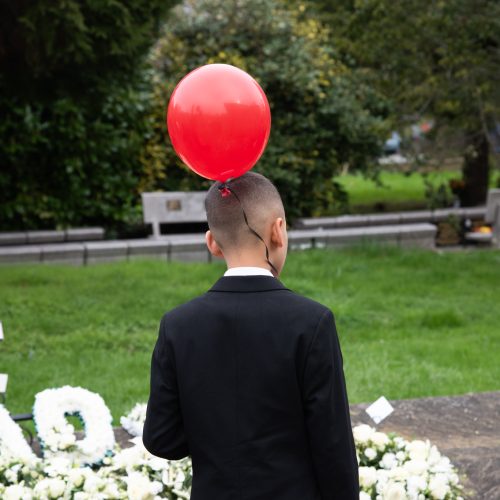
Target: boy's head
<point>230,237</point>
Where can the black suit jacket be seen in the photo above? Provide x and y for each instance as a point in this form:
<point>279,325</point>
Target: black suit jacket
<point>247,379</point>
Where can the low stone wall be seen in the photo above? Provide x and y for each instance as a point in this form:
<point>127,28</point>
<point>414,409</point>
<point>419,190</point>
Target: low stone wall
<point>37,237</point>
<point>192,247</point>
<point>418,216</point>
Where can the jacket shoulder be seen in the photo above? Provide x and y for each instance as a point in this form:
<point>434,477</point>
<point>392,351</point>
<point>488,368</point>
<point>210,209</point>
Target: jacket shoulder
<point>183,311</point>
<point>316,308</point>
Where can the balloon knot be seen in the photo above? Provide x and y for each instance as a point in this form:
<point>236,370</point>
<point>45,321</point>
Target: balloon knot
<point>224,190</point>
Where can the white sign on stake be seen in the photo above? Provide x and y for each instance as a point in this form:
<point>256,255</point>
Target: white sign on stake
<point>3,383</point>
<point>1,331</point>
<point>380,409</point>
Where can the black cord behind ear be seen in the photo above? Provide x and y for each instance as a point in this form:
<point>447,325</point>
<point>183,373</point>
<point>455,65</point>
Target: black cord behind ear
<point>226,190</point>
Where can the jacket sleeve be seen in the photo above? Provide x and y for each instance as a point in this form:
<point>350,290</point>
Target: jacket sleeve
<point>163,433</point>
<point>327,415</point>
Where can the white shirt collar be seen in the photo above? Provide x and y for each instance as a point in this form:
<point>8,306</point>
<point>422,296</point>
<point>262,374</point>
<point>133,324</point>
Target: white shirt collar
<point>248,271</point>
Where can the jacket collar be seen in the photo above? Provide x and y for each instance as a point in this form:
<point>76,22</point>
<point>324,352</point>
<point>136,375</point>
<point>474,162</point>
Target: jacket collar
<point>247,284</point>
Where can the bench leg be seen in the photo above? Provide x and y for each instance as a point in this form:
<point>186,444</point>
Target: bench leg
<point>156,230</point>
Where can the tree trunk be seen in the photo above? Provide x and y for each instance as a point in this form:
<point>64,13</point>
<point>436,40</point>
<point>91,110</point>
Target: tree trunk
<point>475,170</point>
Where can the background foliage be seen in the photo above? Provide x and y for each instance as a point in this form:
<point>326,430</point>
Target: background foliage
<point>324,115</point>
<point>83,126</point>
<point>72,100</point>
<point>438,60</point>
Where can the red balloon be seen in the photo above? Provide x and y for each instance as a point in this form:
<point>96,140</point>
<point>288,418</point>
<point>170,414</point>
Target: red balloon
<point>219,121</point>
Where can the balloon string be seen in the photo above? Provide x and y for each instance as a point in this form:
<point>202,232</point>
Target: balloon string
<point>225,190</point>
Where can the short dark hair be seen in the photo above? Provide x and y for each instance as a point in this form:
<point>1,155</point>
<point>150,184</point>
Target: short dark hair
<point>259,198</point>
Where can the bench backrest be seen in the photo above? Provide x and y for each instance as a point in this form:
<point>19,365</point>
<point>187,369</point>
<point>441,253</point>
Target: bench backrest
<point>174,206</point>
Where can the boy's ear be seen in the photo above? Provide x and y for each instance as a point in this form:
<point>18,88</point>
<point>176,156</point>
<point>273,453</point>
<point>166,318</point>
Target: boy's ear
<point>277,232</point>
<point>212,245</point>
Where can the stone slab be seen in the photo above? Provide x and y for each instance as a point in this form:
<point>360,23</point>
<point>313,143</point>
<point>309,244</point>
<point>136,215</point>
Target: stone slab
<point>18,238</point>
<point>53,236</point>
<point>421,235</point>
<point>415,216</point>
<point>20,254</point>
<point>148,248</point>
<point>63,253</point>
<point>45,236</point>
<point>384,219</point>
<point>105,251</point>
<point>189,250</point>
<point>84,234</point>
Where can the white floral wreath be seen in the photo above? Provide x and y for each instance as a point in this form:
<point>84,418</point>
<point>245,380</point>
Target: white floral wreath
<point>56,434</point>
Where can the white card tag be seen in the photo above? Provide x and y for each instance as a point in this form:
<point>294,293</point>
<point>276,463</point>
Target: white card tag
<point>380,409</point>
<point>1,331</point>
<point>3,383</point>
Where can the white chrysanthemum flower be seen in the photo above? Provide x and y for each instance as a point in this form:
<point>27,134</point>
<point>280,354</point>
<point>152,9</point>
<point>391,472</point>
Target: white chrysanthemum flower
<point>398,473</point>
<point>139,487</point>
<point>370,454</point>
<point>379,440</point>
<point>388,461</point>
<point>57,466</point>
<point>416,485</point>
<point>394,491</point>
<point>362,433</point>
<point>17,492</point>
<point>157,464</point>
<point>50,488</point>
<point>11,476</point>
<point>438,486</point>
<point>82,495</point>
<point>76,477</point>
<point>367,477</point>
<point>56,488</point>
<point>415,467</point>
<point>133,422</point>
<point>418,450</point>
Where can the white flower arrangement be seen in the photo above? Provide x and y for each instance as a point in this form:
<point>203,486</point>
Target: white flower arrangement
<point>12,441</point>
<point>56,434</point>
<point>390,468</point>
<point>133,422</point>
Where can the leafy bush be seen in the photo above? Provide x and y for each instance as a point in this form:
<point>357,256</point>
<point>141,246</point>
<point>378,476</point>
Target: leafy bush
<point>72,101</point>
<point>324,116</point>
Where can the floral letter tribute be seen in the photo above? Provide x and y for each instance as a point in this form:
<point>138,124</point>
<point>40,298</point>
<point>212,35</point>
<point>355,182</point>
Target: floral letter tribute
<point>391,468</point>
<point>56,434</point>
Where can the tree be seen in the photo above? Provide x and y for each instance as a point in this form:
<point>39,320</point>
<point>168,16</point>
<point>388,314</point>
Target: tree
<point>324,115</point>
<point>438,59</point>
<point>72,100</point>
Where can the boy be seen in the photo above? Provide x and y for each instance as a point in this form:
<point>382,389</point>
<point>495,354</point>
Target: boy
<point>247,379</point>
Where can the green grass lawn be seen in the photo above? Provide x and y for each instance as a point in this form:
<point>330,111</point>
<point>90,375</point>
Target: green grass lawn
<point>396,188</point>
<point>412,323</point>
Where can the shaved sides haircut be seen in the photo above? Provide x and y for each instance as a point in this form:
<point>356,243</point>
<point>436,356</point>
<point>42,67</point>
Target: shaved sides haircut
<point>259,198</point>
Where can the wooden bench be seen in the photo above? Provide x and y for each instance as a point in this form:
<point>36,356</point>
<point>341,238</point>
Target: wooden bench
<point>173,207</point>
